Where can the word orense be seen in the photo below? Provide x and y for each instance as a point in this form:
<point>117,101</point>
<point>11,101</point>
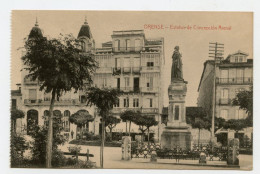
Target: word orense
<point>185,27</point>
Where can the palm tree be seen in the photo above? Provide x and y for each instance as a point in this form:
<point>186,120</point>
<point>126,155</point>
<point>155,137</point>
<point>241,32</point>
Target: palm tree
<point>103,99</point>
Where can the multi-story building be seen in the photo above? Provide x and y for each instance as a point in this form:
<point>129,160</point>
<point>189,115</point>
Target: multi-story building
<point>35,103</point>
<point>233,74</point>
<point>133,64</point>
<point>130,62</point>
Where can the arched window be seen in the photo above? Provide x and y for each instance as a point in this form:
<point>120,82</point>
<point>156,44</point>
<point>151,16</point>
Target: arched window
<point>83,46</point>
<point>66,123</point>
<point>46,114</point>
<point>32,120</point>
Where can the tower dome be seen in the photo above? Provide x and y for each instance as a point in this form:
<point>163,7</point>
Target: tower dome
<point>85,30</point>
<point>35,31</point>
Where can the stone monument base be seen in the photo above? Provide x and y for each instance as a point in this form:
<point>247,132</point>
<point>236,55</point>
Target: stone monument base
<point>176,137</point>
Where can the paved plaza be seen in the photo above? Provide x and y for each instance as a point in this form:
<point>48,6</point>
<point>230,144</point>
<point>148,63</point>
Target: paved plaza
<point>112,160</point>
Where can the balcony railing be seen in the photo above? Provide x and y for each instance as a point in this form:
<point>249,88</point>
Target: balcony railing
<point>242,80</point>
<point>47,102</point>
<point>28,80</point>
<point>142,110</point>
<point>104,70</point>
<point>127,49</point>
<point>150,68</point>
<point>224,101</point>
<point>136,70</point>
<point>149,89</point>
<point>116,71</point>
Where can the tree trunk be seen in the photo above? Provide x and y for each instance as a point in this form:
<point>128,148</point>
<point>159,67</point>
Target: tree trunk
<point>102,145</point>
<point>50,132</point>
<point>148,136</point>
<point>110,129</point>
<point>129,128</point>
<point>126,127</point>
<point>199,139</point>
<point>14,126</point>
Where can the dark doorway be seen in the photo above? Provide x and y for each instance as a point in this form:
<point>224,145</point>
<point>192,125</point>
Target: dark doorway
<point>136,84</point>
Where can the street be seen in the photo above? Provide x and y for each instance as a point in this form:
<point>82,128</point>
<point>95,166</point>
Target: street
<point>112,160</point>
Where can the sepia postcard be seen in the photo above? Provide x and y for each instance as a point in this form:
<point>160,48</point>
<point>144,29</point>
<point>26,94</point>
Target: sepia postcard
<point>131,90</point>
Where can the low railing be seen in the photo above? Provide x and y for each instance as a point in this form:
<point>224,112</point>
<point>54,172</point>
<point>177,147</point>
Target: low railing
<point>104,70</point>
<point>238,80</point>
<point>150,68</point>
<point>142,110</point>
<point>149,89</point>
<point>127,49</point>
<point>47,102</point>
<point>224,101</point>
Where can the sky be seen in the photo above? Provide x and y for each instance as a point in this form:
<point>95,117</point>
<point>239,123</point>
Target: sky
<point>193,42</point>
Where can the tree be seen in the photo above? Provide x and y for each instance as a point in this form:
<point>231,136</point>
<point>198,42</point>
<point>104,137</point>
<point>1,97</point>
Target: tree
<point>111,122</point>
<point>244,99</point>
<point>15,114</point>
<point>144,123</point>
<point>103,99</point>
<point>197,117</point>
<point>235,124</point>
<point>81,118</point>
<point>131,116</point>
<point>59,66</point>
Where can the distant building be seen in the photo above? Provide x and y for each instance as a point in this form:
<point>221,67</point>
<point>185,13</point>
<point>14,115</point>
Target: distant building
<point>233,74</point>
<point>130,62</point>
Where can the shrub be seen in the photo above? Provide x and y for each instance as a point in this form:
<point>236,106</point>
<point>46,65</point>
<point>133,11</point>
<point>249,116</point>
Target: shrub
<point>84,165</point>
<point>58,159</point>
<point>18,146</point>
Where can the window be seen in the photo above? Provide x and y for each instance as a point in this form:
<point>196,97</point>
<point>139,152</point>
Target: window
<point>126,102</point>
<point>13,103</point>
<point>104,82</point>
<point>66,123</point>
<point>32,95</point>
<point>150,64</point>
<point>224,94</point>
<point>149,83</point>
<point>127,44</point>
<point>224,114</point>
<point>240,58</point>
<point>240,114</point>
<point>136,103</point>
<point>117,103</point>
<point>150,102</point>
<point>46,117</point>
<point>127,84</point>
<point>236,58</point>
<point>117,45</point>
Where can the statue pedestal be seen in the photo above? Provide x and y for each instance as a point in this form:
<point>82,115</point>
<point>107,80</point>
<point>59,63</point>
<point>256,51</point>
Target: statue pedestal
<point>176,133</point>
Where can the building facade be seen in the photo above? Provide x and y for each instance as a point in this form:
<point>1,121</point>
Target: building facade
<point>233,74</point>
<point>133,64</point>
<point>129,62</point>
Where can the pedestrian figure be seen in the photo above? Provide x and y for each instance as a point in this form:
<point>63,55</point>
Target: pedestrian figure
<point>72,133</point>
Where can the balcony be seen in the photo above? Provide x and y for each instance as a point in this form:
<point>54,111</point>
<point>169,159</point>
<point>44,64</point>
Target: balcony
<point>127,70</point>
<point>224,101</point>
<point>245,80</point>
<point>46,102</point>
<point>102,70</point>
<point>150,69</point>
<point>130,89</point>
<point>142,110</point>
<point>136,70</point>
<point>29,81</point>
<point>116,71</point>
<point>127,49</point>
<point>149,89</point>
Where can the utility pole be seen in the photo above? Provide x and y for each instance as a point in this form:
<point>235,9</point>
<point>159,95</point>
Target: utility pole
<point>216,51</point>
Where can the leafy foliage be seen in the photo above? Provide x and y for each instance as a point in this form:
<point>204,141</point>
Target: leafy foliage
<point>81,117</point>
<point>58,63</point>
<point>103,99</point>
<point>16,113</point>
<point>18,147</point>
<point>111,122</point>
<point>131,116</point>
<point>235,124</point>
<point>244,99</point>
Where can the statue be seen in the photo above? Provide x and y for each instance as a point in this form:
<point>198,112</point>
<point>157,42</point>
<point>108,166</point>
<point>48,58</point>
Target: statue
<point>176,73</point>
